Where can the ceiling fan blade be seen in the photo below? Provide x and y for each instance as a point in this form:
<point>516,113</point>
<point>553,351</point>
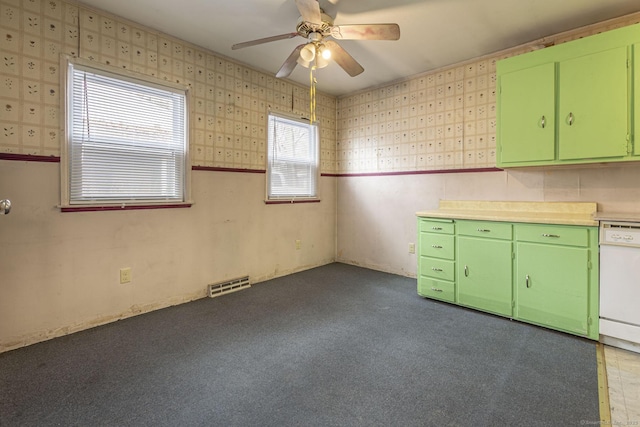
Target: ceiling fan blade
<point>343,58</point>
<point>366,32</point>
<point>310,11</point>
<point>264,40</point>
<point>290,63</point>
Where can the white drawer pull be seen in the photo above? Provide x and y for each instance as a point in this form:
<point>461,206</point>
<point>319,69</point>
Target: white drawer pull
<point>436,246</point>
<point>484,230</point>
<point>436,269</point>
<point>551,235</point>
<point>436,228</point>
<point>436,290</point>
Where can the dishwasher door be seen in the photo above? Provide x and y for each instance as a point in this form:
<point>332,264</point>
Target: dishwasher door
<point>620,290</point>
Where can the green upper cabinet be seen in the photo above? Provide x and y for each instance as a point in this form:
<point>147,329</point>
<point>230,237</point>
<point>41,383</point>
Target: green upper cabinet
<point>527,116</point>
<point>593,106</point>
<point>571,103</point>
<point>636,99</point>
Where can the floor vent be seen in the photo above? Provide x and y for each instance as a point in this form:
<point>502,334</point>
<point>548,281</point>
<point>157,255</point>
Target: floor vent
<point>229,286</point>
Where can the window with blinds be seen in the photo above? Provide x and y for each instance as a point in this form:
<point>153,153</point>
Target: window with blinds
<point>126,139</point>
<point>292,159</point>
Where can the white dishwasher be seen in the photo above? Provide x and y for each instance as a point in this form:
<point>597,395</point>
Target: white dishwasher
<point>620,284</point>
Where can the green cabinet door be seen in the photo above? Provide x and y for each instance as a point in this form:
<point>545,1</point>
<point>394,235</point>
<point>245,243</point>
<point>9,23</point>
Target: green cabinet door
<point>636,100</point>
<point>592,106</point>
<point>527,115</point>
<point>484,274</point>
<point>552,286</point>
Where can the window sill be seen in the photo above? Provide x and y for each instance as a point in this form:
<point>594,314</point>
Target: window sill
<point>123,207</point>
<point>290,201</point>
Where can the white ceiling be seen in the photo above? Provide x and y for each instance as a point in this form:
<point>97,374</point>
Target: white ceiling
<point>434,33</point>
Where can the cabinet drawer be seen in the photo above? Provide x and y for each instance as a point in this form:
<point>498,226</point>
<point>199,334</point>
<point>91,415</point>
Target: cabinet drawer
<point>434,226</point>
<point>437,268</point>
<point>437,289</point>
<point>553,234</point>
<point>493,230</point>
<point>437,245</point>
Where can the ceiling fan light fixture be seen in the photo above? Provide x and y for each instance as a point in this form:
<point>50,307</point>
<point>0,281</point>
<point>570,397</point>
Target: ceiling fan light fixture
<point>308,53</point>
<point>302,62</point>
<point>324,52</point>
<point>321,62</point>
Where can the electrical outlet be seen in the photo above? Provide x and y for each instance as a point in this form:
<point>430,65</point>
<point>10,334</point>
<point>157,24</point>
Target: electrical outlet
<point>125,275</point>
<point>298,244</point>
<point>412,248</point>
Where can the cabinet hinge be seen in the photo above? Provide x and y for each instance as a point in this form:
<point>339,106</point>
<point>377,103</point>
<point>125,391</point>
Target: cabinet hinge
<point>589,265</point>
<point>589,321</point>
<point>513,255</point>
<point>627,62</point>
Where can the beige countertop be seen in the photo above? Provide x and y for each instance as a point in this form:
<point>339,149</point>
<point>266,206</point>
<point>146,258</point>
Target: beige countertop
<point>618,216</point>
<point>569,213</point>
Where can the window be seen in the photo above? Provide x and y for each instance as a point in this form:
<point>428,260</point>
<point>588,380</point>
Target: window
<point>126,139</point>
<point>292,159</point>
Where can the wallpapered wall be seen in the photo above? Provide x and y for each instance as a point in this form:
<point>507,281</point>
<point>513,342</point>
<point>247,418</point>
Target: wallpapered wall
<point>436,121</point>
<point>439,120</point>
<point>229,101</point>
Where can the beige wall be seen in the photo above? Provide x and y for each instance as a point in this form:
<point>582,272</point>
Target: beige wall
<point>59,272</point>
<point>376,215</point>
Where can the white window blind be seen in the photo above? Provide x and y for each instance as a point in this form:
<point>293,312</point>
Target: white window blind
<point>127,139</point>
<point>292,159</point>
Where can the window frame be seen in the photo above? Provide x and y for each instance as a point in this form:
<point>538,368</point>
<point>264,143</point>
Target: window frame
<point>68,63</point>
<point>293,198</point>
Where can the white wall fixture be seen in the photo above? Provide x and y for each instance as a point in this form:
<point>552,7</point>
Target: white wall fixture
<point>5,206</point>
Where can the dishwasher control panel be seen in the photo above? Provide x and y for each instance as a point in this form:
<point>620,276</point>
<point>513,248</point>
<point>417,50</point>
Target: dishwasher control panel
<point>620,233</point>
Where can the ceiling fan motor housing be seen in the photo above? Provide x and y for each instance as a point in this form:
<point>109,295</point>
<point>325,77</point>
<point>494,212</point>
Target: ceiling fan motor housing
<point>305,28</point>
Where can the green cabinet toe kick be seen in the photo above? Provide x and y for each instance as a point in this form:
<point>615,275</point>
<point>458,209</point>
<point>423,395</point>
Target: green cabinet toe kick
<point>543,274</point>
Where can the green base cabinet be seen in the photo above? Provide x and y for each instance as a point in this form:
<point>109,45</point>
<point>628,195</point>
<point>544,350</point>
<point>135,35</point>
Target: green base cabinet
<point>436,265</point>
<point>556,279</point>
<point>484,266</point>
<point>537,273</point>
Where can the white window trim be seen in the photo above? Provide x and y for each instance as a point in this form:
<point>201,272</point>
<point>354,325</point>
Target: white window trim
<point>67,62</point>
<point>292,199</point>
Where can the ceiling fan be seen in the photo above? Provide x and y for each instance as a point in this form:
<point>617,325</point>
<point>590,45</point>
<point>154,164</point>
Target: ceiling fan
<point>315,25</point>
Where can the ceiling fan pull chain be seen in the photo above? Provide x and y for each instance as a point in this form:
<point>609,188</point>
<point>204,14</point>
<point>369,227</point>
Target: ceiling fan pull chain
<point>312,95</point>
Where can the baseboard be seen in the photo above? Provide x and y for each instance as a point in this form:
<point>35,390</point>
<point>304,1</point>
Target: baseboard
<point>135,310</point>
